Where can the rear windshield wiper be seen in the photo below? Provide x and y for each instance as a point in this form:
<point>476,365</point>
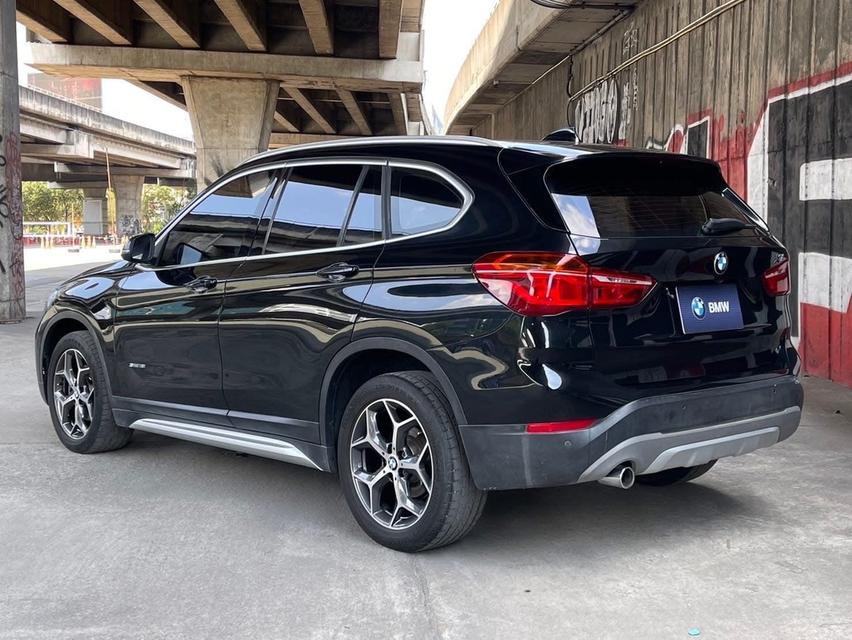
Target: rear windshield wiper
<point>721,226</point>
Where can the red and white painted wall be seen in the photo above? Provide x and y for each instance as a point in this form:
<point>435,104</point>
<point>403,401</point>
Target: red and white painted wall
<point>764,87</point>
<point>804,192</point>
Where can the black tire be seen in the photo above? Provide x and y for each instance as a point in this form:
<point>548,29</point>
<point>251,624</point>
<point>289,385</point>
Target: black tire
<point>675,476</point>
<point>454,503</point>
<point>102,434</point>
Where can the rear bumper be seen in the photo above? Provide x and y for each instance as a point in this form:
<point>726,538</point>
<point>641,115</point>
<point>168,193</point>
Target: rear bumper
<point>652,434</point>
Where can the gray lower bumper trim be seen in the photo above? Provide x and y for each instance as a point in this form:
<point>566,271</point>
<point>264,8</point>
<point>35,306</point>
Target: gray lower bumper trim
<point>655,452</point>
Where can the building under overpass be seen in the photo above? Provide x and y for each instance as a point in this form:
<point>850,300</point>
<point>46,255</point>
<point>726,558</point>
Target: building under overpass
<point>251,73</point>
<point>72,145</point>
<point>764,87</point>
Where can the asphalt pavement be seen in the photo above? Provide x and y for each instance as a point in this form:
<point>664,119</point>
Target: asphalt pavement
<point>168,539</point>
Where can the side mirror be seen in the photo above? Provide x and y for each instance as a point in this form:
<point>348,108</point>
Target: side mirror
<point>139,249</point>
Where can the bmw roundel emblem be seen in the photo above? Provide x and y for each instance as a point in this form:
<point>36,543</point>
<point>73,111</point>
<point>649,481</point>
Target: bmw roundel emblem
<point>698,308</point>
<point>720,263</point>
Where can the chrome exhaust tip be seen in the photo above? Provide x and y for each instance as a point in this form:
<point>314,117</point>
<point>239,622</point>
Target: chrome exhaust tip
<point>622,477</point>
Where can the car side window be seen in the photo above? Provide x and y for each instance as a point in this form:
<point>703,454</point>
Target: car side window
<point>313,207</point>
<point>421,201</point>
<point>365,220</point>
<point>222,225</point>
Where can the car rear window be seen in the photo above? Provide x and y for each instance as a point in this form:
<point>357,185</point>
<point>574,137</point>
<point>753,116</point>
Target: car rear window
<point>627,197</point>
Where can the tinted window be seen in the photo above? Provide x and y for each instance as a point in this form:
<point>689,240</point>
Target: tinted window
<point>421,201</point>
<point>628,197</point>
<point>312,208</point>
<point>365,222</point>
<point>222,225</point>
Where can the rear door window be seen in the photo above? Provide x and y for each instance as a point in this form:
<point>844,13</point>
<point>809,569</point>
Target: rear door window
<point>630,197</point>
<point>365,219</point>
<point>313,207</point>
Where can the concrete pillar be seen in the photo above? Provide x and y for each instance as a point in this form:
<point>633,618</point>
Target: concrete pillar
<point>13,305</point>
<point>95,212</point>
<point>128,204</point>
<point>231,120</point>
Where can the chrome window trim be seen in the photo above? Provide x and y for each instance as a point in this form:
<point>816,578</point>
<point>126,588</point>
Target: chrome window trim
<point>456,183</point>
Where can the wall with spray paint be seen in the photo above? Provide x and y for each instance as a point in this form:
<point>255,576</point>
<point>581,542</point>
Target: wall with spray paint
<point>764,87</point>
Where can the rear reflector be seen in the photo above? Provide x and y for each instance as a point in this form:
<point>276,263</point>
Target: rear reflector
<point>545,284</point>
<point>776,279</point>
<point>559,427</point>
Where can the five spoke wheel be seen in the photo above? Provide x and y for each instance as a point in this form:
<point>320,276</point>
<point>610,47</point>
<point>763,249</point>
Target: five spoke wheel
<point>73,394</point>
<point>391,463</point>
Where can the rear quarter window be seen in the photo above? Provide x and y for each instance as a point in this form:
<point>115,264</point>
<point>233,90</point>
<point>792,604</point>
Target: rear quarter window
<point>420,202</point>
<point>638,196</point>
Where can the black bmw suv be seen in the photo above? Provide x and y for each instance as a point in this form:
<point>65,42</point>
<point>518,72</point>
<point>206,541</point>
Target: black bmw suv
<point>435,318</point>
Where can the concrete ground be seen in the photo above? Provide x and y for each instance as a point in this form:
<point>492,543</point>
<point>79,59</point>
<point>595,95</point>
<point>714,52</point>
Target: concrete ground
<point>166,539</point>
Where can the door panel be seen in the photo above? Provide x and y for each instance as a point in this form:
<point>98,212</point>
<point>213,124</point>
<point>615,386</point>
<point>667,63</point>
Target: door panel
<point>166,317</point>
<point>280,326</point>
<point>166,337</point>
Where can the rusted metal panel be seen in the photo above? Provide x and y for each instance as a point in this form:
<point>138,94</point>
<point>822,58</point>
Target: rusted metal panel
<point>765,88</point>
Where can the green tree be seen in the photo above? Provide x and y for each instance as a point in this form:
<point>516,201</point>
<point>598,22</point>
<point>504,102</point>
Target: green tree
<point>41,203</point>
<point>38,202</point>
<point>160,204</point>
<point>69,203</point>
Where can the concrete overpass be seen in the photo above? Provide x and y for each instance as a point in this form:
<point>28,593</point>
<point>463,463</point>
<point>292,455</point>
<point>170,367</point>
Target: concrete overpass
<point>76,146</point>
<point>251,73</point>
<point>517,48</point>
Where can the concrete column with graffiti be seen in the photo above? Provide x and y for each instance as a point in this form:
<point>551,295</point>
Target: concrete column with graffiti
<point>12,296</point>
<point>128,204</point>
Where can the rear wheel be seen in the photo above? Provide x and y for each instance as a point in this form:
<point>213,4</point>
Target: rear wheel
<point>401,466</point>
<point>675,476</point>
<point>78,398</point>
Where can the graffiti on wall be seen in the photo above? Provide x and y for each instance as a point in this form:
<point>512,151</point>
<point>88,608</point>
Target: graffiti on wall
<point>799,177</point>
<point>604,114</point>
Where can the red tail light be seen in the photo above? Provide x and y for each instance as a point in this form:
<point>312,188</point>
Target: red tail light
<point>544,284</point>
<point>776,279</point>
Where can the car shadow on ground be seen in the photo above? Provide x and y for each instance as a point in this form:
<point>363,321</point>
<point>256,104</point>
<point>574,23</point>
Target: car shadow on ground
<point>581,520</point>
<point>588,516</point>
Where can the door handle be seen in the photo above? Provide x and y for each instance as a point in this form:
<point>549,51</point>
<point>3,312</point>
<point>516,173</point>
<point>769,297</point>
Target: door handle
<point>202,284</point>
<point>338,271</point>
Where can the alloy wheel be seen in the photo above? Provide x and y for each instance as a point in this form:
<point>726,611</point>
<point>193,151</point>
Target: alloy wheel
<point>391,463</point>
<point>73,394</point>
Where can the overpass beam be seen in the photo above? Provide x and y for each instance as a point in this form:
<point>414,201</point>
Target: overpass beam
<point>390,18</point>
<point>128,204</point>
<point>95,212</point>
<point>231,120</point>
<point>12,289</point>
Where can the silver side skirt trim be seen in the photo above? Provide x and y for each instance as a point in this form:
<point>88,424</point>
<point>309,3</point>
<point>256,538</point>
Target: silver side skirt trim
<point>254,444</point>
<point>655,452</point>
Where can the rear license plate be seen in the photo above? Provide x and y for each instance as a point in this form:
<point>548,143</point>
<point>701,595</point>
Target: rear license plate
<point>705,308</point>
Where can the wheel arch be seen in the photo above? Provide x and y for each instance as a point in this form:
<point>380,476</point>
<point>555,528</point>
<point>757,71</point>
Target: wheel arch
<point>65,322</point>
<point>398,354</point>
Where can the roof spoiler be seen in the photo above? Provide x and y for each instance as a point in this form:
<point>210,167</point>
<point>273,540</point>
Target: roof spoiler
<point>567,134</point>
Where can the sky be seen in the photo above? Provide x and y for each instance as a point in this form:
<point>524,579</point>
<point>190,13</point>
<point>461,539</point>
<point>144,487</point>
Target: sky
<point>124,100</point>
<point>450,28</point>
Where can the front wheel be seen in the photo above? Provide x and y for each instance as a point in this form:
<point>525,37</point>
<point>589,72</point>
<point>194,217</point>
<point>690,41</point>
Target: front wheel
<point>402,469</point>
<point>78,398</point>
